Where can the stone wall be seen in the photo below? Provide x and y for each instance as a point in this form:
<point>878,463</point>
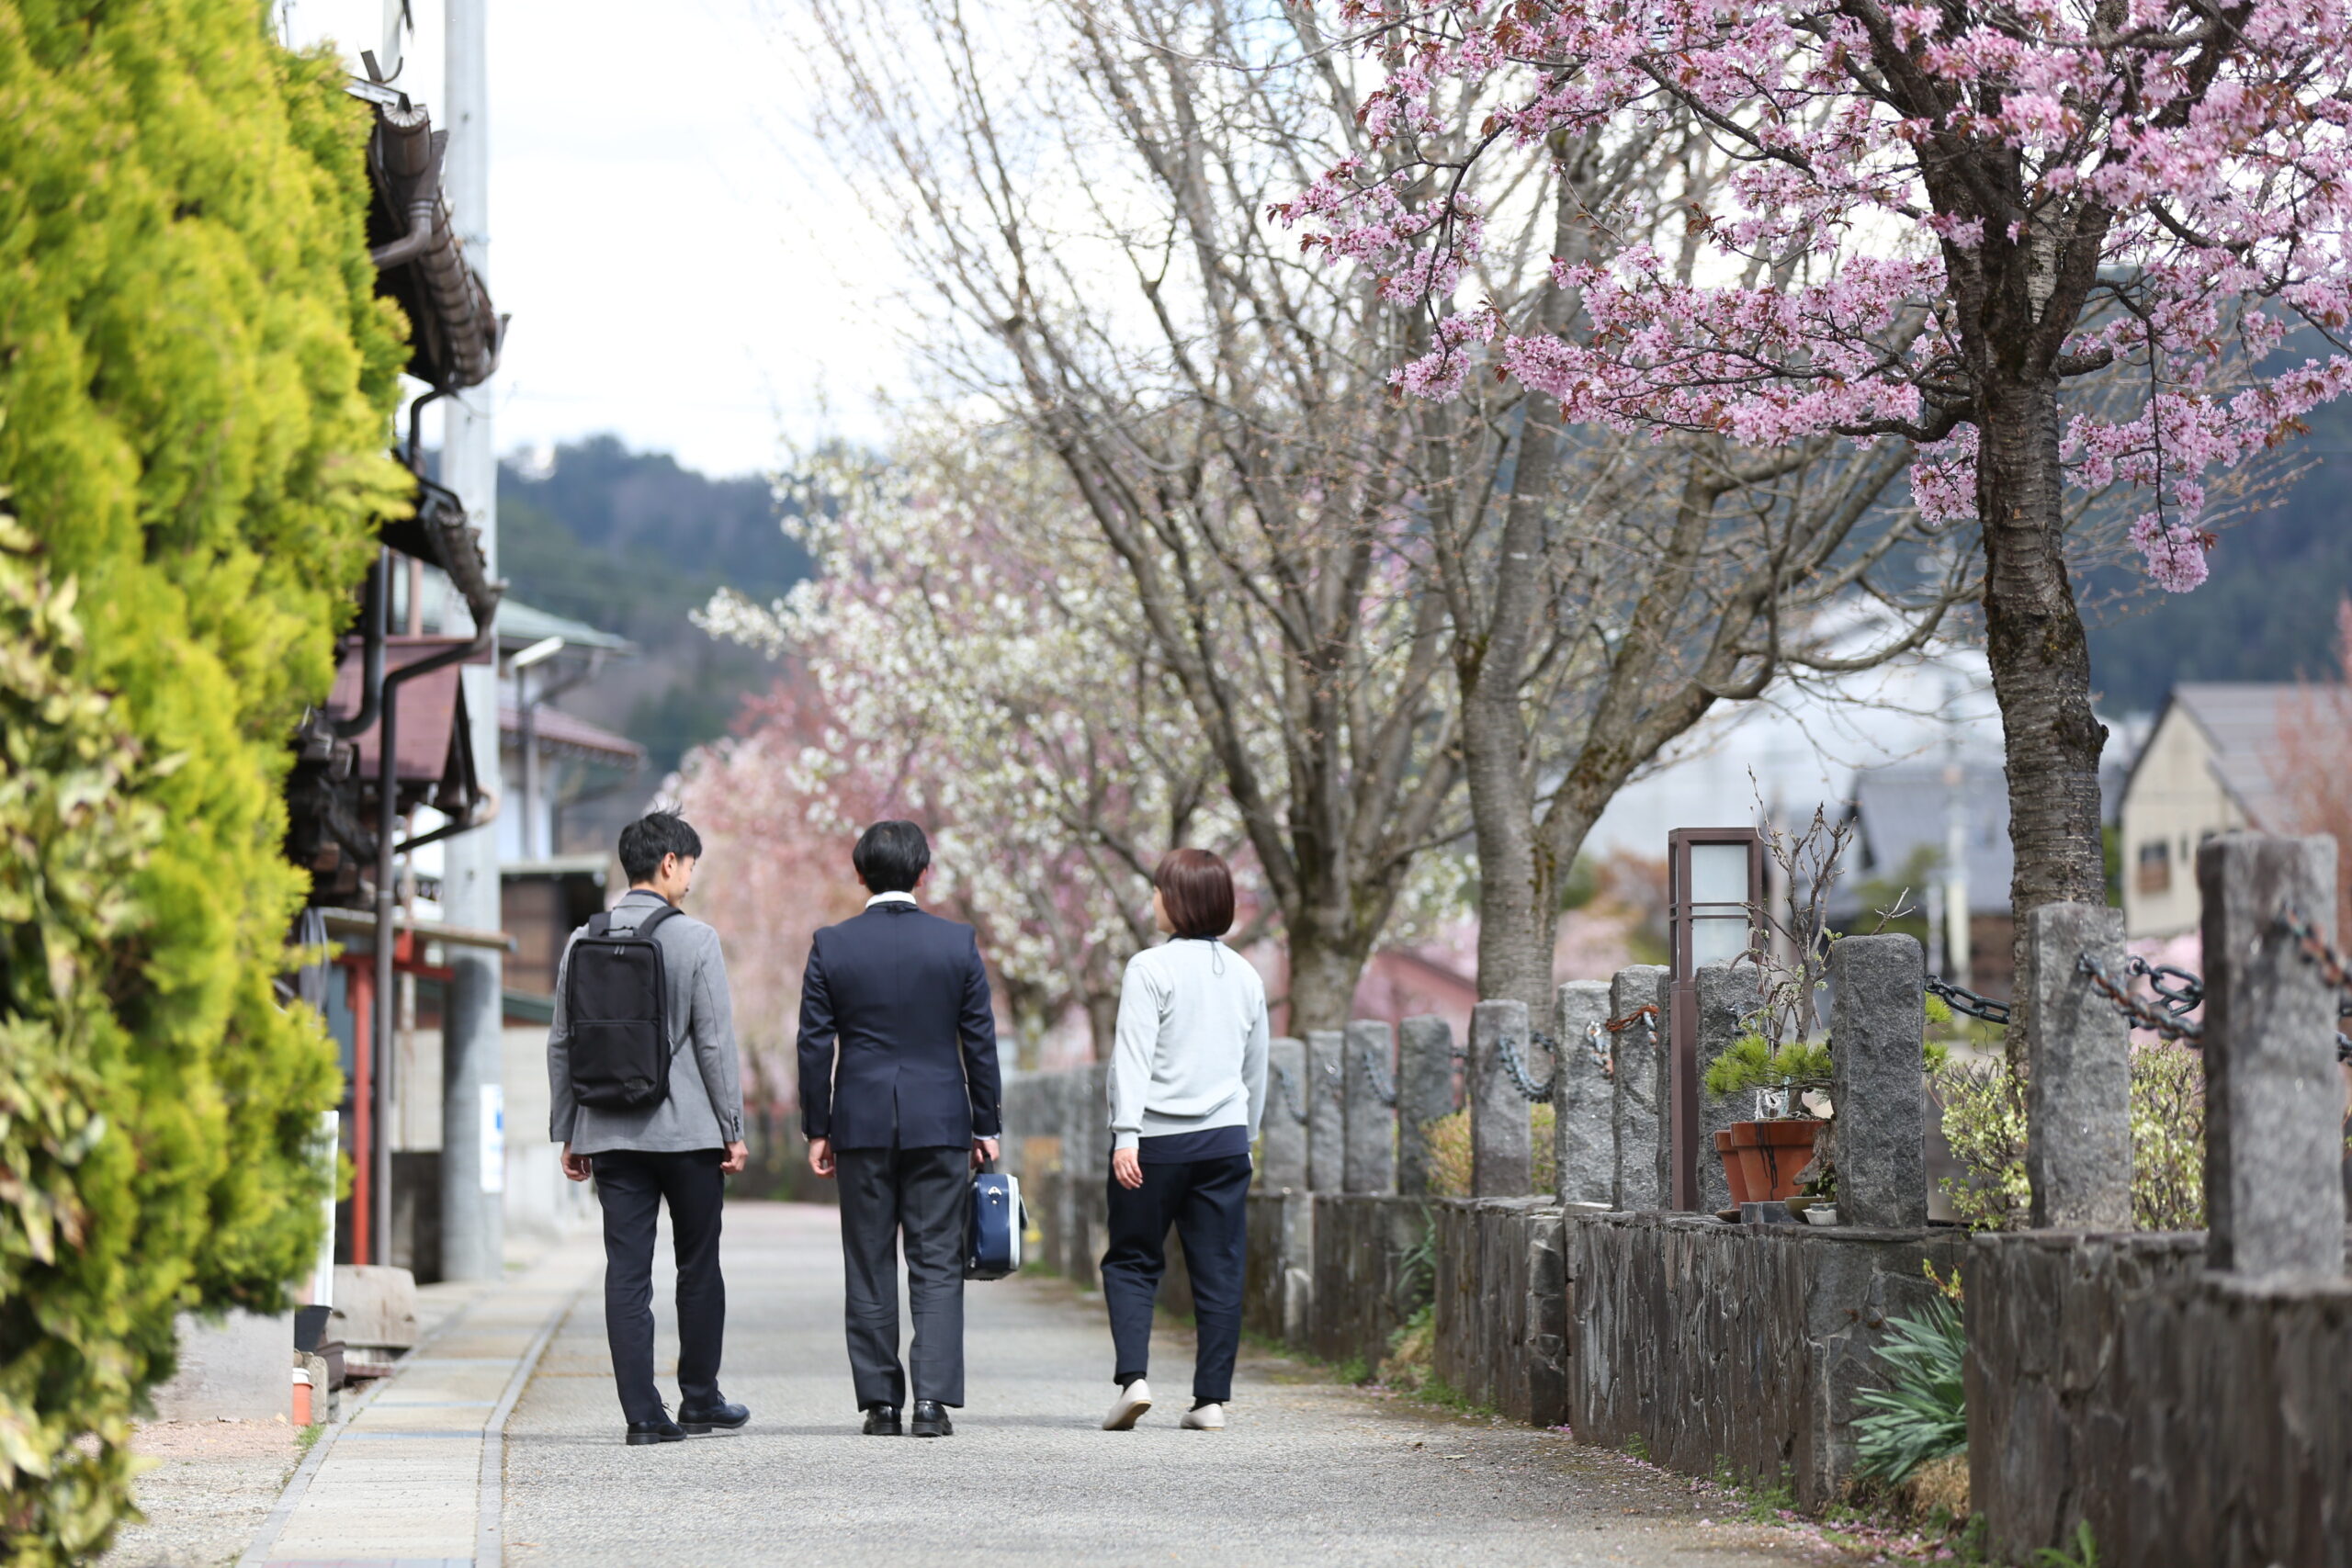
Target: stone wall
<point>1373,1269</point>
<point>2184,1416</point>
<point>1499,1321</point>
<point>1735,1345</point>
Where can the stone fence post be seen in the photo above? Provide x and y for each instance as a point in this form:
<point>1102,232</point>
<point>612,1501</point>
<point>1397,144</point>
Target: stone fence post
<point>1729,995</point>
<point>1877,1026</point>
<point>1638,1102</point>
<point>1424,1093</point>
<point>1500,1129</point>
<point>2078,1083</point>
<point>2274,1139</point>
<point>1282,1147</point>
<point>1368,1118</point>
<point>1584,1134</point>
<point>1326,1121</point>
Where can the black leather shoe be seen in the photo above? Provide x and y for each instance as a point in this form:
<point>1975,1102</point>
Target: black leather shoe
<point>882,1421</point>
<point>930,1420</point>
<point>717,1413</point>
<point>663,1430</point>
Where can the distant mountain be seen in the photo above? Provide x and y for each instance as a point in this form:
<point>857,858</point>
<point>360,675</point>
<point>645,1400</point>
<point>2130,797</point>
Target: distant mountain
<point>632,542</point>
<point>2268,610</point>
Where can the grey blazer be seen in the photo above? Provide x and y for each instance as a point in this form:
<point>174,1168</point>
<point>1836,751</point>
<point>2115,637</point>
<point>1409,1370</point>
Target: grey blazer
<point>704,1110</point>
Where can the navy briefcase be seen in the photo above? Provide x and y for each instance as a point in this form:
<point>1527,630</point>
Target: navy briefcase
<point>992,1236</point>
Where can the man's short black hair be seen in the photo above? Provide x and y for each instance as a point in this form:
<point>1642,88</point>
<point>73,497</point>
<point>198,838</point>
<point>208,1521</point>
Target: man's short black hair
<point>891,857</point>
<point>647,841</point>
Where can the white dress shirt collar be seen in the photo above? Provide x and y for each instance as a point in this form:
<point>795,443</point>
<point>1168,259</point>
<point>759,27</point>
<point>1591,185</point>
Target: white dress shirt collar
<point>891,898</point>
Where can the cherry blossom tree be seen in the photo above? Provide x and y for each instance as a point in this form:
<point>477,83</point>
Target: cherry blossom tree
<point>1371,607</point>
<point>2060,245</point>
<point>974,657</point>
<point>775,867</point>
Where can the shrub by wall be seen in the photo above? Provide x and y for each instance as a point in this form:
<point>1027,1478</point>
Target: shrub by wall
<point>196,380</point>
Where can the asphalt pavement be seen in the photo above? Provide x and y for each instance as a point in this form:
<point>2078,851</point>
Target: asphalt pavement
<point>1308,1470</point>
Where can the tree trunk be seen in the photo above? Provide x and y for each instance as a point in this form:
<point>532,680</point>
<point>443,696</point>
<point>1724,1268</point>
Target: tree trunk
<point>2042,672</point>
<point>1518,885</point>
<point>1102,1022</point>
<point>1322,985</point>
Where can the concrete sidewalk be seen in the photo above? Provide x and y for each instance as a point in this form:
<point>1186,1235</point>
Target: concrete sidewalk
<point>412,1475</point>
<point>1308,1469</point>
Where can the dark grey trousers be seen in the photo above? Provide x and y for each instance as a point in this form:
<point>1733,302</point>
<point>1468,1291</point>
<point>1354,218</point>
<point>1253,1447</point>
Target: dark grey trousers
<point>923,1194</point>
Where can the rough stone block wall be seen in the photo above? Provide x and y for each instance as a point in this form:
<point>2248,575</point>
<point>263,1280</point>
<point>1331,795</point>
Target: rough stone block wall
<point>1367,1282</point>
<point>1261,1281</point>
<point>1739,1345</point>
<point>1500,1305</point>
<point>2186,1418</point>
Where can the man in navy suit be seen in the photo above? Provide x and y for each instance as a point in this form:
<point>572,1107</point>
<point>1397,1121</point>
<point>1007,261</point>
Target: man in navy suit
<point>899,1098</point>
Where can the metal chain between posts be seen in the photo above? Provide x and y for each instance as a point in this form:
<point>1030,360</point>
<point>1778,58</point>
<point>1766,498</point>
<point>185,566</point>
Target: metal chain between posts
<point>2165,1022</point>
<point>1601,1050</point>
<point>2331,966</point>
<point>1959,999</point>
<point>1383,1088</point>
<point>1289,1087</point>
<point>1605,1052</point>
<point>2179,993</point>
<point>1506,1050</point>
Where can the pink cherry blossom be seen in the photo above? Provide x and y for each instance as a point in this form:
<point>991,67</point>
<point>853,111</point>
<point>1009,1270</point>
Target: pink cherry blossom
<point>2193,164</point>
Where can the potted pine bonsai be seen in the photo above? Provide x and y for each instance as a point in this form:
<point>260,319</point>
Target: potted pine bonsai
<point>1787,1151</point>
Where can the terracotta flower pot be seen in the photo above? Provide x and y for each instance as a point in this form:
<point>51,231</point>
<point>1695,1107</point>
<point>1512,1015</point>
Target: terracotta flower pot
<point>1728,1143</point>
<point>1785,1148</point>
<point>1753,1163</point>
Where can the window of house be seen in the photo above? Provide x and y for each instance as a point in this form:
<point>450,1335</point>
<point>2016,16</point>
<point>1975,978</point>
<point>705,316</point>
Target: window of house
<point>2155,874</point>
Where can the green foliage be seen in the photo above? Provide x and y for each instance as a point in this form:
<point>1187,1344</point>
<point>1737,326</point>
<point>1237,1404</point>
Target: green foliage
<point>2084,1555</point>
<point>2167,1138</point>
<point>196,390</point>
<point>1925,1415</point>
<point>1750,1062</point>
<point>1447,1140</point>
<point>1410,1364</point>
<point>1984,1124</point>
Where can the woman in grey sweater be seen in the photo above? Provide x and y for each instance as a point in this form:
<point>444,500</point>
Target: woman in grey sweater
<point>1187,1089</point>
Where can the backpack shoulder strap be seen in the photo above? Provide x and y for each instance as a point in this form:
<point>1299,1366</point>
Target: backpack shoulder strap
<point>600,922</point>
<point>645,926</point>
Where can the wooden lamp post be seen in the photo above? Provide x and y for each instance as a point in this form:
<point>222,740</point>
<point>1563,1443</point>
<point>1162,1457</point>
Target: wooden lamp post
<point>1714,913</point>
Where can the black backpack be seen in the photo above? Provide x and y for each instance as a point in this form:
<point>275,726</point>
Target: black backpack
<point>615,1004</point>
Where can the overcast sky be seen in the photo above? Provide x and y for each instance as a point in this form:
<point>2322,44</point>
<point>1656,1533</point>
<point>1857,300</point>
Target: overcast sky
<point>674,274</point>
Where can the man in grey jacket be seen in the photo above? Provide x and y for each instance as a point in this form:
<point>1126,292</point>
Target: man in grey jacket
<point>680,1150</point>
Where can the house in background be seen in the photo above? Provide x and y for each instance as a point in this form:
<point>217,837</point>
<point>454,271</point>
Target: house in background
<point>2209,767</point>
<point>1906,815</point>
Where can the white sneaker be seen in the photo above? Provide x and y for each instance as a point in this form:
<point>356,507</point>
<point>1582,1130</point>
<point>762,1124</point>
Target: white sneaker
<point>1207,1418</point>
<point>1128,1408</point>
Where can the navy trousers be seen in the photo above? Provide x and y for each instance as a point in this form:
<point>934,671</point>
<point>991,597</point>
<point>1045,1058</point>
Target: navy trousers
<point>1205,1200</point>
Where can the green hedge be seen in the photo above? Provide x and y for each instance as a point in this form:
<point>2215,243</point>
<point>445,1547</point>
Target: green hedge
<point>196,381</point>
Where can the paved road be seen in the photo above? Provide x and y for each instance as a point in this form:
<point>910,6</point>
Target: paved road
<point>1307,1470</point>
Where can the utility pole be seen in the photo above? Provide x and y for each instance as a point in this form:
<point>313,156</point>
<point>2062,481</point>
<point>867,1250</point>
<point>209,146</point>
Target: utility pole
<point>473,1153</point>
<point>1957,957</point>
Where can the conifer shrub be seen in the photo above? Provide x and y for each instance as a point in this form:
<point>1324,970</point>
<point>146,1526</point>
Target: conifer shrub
<point>196,380</point>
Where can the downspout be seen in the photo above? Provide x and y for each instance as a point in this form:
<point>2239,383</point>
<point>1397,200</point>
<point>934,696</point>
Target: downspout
<point>378,623</point>
<point>387,853</point>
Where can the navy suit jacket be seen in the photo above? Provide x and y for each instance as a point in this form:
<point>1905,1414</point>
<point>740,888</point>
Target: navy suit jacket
<point>897,1041</point>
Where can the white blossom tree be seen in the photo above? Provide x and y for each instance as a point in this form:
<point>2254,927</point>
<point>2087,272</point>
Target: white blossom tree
<point>971,646</point>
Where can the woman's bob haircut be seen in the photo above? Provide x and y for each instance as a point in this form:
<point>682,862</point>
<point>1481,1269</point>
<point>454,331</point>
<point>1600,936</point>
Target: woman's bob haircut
<point>1197,887</point>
